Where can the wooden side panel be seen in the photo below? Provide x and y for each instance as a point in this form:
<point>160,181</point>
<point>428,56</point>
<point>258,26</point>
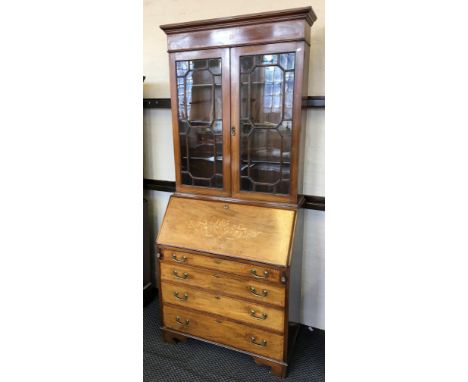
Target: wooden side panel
<point>222,265</point>
<point>295,271</point>
<point>224,332</point>
<point>239,231</point>
<point>303,126</point>
<point>243,311</point>
<point>225,283</point>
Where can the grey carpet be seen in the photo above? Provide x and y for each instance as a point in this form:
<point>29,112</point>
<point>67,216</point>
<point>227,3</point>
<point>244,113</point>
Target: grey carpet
<point>196,361</point>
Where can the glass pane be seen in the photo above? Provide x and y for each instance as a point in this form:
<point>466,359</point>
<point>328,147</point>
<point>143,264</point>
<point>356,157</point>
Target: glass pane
<point>199,102</point>
<point>266,109</point>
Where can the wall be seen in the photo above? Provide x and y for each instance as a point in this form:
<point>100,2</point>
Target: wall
<point>158,147</point>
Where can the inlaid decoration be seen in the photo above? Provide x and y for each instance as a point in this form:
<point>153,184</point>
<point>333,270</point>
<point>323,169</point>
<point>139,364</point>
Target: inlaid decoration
<point>221,228</point>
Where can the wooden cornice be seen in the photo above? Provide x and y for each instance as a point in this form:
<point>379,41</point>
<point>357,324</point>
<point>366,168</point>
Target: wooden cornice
<point>305,13</point>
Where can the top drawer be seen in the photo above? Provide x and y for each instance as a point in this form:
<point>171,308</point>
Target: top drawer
<point>260,273</point>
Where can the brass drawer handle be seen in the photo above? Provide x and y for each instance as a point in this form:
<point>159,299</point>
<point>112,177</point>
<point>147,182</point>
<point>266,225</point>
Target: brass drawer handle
<point>253,313</point>
<point>254,273</point>
<point>176,274</point>
<point>183,259</point>
<point>262,344</point>
<point>176,295</point>
<point>254,291</point>
<point>186,323</point>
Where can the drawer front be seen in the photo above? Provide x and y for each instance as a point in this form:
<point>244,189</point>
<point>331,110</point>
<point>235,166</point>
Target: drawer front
<point>216,281</point>
<point>244,311</point>
<point>225,332</point>
<point>259,273</point>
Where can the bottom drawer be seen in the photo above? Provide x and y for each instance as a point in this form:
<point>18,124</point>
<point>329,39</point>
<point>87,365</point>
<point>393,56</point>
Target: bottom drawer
<point>225,332</point>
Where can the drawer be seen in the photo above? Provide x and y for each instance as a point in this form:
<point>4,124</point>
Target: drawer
<point>255,272</point>
<point>244,311</point>
<point>224,332</point>
<point>251,289</point>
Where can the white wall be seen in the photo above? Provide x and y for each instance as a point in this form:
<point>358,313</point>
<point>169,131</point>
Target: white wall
<point>313,270</point>
<point>158,156</point>
<point>158,12</point>
<point>158,146</point>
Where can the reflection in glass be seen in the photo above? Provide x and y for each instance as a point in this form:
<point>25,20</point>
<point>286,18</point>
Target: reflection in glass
<point>266,102</point>
<point>199,101</point>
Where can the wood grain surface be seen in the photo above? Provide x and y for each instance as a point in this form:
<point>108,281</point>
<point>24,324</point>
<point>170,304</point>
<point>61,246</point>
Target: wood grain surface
<point>240,310</point>
<point>228,284</point>
<point>239,231</point>
<point>217,263</point>
<point>224,332</point>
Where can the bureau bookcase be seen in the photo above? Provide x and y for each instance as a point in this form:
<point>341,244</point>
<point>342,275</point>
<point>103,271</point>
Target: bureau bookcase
<point>230,244</point>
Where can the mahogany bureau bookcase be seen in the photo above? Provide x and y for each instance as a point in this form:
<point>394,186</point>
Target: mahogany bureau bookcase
<point>230,244</point>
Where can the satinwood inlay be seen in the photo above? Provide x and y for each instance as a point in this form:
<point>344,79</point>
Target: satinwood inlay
<point>222,228</point>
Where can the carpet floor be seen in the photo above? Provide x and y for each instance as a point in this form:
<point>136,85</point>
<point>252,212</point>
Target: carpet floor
<point>197,361</point>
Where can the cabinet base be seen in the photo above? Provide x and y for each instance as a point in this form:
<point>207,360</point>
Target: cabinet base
<point>173,338</point>
<point>276,367</point>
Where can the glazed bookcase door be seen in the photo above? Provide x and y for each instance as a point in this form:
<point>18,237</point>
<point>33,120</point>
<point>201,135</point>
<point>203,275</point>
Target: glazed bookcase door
<point>200,91</point>
<point>266,113</point>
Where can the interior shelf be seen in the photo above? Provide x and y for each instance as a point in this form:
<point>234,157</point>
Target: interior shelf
<point>205,159</point>
<point>202,85</point>
<point>262,82</point>
<point>263,125</point>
